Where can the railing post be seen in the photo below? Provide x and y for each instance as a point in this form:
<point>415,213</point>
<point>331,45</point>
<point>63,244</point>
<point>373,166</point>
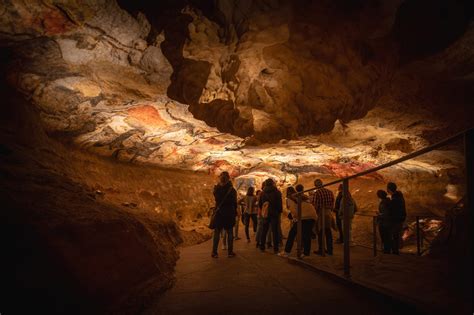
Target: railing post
<point>418,243</point>
<point>374,229</point>
<point>345,218</point>
<point>299,228</point>
<point>323,232</point>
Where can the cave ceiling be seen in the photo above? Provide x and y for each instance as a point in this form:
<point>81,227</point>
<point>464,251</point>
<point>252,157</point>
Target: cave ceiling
<point>279,87</point>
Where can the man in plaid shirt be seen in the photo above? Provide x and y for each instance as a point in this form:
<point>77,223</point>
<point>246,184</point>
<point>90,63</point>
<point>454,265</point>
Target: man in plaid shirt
<point>323,202</point>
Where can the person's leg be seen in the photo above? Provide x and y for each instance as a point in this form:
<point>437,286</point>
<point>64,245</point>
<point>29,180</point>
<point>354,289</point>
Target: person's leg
<point>396,236</point>
<point>224,238</point>
<point>307,227</point>
<point>339,228</point>
<point>382,239</point>
<point>269,236</point>
<point>291,238</point>
<point>387,248</point>
<point>247,223</point>
<point>275,233</point>
<point>350,231</point>
<point>280,233</point>
<point>263,238</point>
<point>215,240</point>
<point>258,236</point>
<point>254,222</point>
<point>237,222</point>
<point>230,241</point>
<point>320,241</point>
<point>329,240</point>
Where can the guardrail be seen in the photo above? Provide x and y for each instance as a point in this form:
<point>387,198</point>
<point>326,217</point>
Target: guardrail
<point>467,136</point>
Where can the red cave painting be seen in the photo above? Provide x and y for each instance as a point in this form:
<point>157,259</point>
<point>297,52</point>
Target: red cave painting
<point>351,168</point>
<point>147,115</point>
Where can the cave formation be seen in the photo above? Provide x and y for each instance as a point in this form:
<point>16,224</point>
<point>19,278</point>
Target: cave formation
<point>117,115</point>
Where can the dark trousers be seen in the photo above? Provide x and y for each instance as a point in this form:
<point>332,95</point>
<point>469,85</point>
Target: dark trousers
<point>216,237</point>
<point>339,227</point>
<point>307,229</point>
<point>270,222</point>
<point>328,235</point>
<point>247,218</point>
<point>391,238</point>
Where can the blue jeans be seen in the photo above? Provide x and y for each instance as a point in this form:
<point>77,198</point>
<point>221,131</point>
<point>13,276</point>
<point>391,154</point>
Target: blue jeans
<point>217,236</point>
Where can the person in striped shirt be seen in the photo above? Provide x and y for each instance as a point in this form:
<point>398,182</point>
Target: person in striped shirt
<point>323,202</point>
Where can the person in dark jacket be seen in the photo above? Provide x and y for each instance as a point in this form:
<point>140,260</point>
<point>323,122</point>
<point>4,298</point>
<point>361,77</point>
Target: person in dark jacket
<point>396,217</point>
<point>225,197</point>
<point>271,195</point>
<point>337,206</point>
<point>383,220</point>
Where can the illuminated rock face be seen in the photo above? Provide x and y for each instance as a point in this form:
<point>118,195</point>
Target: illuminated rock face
<point>280,89</point>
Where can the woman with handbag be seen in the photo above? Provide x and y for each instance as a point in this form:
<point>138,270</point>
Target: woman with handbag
<point>224,215</point>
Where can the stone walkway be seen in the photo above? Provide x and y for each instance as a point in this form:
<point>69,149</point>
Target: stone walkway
<point>260,283</point>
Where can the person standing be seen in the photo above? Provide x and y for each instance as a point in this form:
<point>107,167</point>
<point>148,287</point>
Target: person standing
<point>258,235</point>
<point>352,208</point>
<point>383,220</point>
<point>397,216</point>
<point>271,204</point>
<point>337,205</point>
<point>225,197</point>
<point>308,219</point>
<point>250,211</point>
<point>323,202</point>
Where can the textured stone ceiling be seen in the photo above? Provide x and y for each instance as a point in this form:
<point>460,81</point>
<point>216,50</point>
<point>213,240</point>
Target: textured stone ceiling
<point>203,86</point>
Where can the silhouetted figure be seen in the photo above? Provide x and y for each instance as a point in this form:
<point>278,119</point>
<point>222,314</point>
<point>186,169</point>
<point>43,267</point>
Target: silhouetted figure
<point>250,211</point>
<point>397,215</point>
<point>383,220</point>
<point>323,202</point>
<point>338,218</point>
<point>271,207</point>
<point>308,219</point>
<point>352,209</point>
<point>225,197</point>
<point>258,236</point>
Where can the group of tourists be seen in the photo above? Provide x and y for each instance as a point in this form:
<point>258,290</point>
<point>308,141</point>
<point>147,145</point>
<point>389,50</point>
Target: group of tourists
<point>262,211</point>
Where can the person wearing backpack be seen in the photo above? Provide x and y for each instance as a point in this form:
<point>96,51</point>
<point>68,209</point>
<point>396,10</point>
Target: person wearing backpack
<point>396,215</point>
<point>308,219</point>
<point>271,207</point>
<point>225,197</point>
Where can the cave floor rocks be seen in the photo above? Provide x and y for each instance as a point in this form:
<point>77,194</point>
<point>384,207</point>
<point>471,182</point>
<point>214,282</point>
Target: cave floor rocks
<point>263,283</point>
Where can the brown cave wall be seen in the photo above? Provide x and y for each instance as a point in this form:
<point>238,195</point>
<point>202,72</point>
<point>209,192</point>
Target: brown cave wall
<point>82,233</point>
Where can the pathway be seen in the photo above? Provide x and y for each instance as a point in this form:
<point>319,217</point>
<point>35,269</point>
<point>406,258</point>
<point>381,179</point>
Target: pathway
<point>260,283</point>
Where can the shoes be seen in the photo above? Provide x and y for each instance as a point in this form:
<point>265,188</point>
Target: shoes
<point>237,238</point>
<point>317,252</point>
<point>283,254</point>
<point>214,255</point>
<point>230,255</point>
<point>301,256</point>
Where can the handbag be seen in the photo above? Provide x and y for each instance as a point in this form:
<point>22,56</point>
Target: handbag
<point>212,222</point>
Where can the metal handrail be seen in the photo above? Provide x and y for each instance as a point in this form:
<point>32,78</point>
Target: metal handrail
<point>467,135</point>
<point>396,161</point>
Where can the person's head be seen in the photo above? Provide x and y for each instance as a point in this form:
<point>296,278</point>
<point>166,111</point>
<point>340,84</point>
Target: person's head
<point>382,194</point>
<point>250,191</point>
<point>290,191</point>
<point>299,188</point>
<point>224,178</point>
<point>391,188</point>
<point>269,182</point>
<point>318,183</point>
